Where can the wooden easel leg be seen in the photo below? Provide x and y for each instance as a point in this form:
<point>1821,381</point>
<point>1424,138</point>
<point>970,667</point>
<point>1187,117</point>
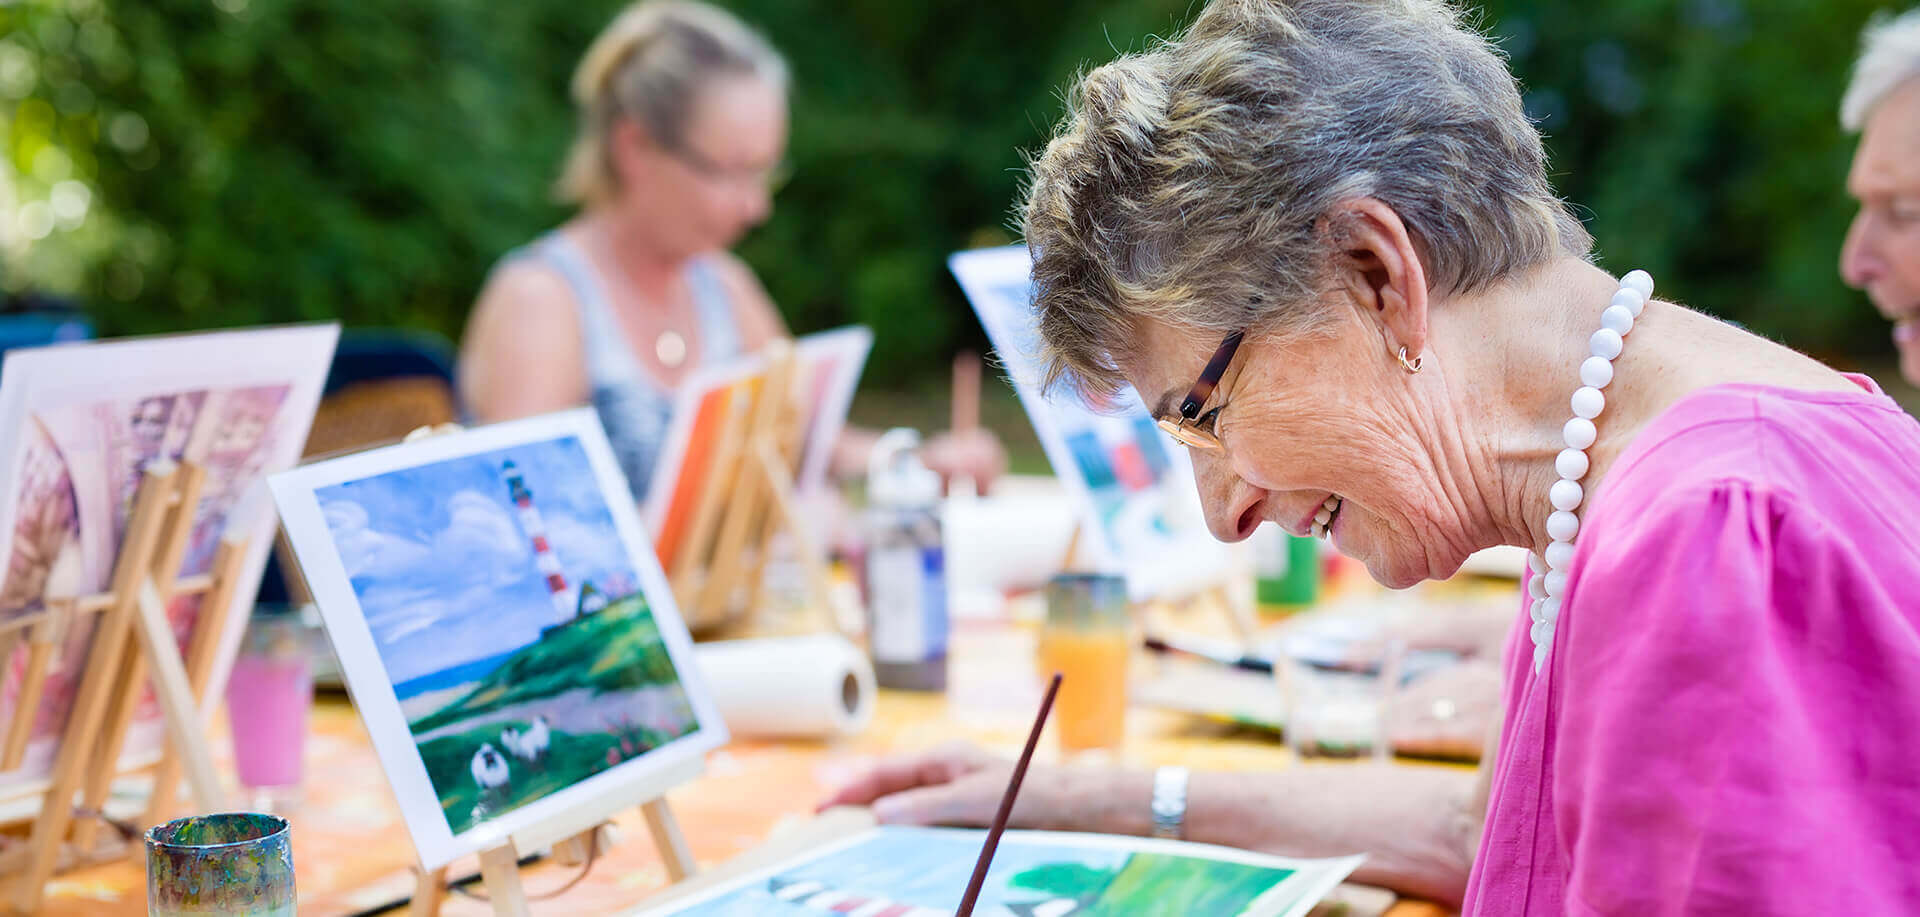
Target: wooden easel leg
<point>176,698</point>
<point>429,891</point>
<point>96,687</point>
<point>39,655</point>
<point>786,510</point>
<point>693,563</point>
<point>215,607</point>
<point>9,641</point>
<point>104,760</point>
<point>668,839</point>
<point>747,503</point>
<point>724,569</point>
<point>500,870</point>
<point>593,842</point>
<point>162,567</point>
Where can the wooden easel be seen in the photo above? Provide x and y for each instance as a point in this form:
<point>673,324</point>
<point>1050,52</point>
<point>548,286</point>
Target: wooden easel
<point>746,501</point>
<point>133,639</point>
<point>572,835</point>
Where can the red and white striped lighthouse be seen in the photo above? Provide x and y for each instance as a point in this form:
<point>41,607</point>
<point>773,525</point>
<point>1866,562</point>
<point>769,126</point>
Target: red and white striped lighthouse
<point>536,530</point>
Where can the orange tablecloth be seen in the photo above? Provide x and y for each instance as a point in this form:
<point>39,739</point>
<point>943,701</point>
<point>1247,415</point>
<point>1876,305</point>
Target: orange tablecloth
<point>352,853</point>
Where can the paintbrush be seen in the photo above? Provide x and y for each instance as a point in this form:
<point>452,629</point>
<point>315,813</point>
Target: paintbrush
<point>1006,804</point>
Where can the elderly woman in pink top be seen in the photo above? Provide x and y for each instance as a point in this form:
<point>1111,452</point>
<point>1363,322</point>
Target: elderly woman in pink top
<point>1319,239</point>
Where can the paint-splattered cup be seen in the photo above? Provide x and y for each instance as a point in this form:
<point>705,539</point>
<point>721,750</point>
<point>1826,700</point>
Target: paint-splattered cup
<point>235,863</point>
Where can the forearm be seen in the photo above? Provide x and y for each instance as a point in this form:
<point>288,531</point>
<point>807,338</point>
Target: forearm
<point>1415,823</point>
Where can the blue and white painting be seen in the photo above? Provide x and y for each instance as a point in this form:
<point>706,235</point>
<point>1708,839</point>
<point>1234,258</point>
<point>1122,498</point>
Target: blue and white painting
<point>923,872</point>
<point>510,621</point>
<point>1141,509</point>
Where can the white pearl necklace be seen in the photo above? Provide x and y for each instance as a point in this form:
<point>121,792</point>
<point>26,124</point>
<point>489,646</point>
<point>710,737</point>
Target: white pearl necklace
<point>1550,572</point>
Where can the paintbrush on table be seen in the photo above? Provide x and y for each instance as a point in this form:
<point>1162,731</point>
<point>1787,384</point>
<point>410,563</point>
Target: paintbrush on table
<point>1006,804</point>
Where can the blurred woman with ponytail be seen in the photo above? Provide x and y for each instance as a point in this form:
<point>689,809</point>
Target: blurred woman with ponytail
<point>682,139</point>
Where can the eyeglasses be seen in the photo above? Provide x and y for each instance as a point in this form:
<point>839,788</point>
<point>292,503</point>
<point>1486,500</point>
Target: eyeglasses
<point>1186,427</point>
<point>773,177</point>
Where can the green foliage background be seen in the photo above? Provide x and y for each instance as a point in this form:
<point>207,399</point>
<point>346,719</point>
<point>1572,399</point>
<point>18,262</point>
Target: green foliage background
<point>200,164</point>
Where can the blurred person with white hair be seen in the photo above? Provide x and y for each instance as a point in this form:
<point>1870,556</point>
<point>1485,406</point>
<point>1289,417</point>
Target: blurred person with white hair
<point>1882,253</point>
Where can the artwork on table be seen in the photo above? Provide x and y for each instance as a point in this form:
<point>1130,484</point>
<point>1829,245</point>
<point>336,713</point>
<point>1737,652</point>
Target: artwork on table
<point>80,423</point>
<point>828,371</point>
<point>502,623</point>
<point>1140,511</point>
<point>923,872</point>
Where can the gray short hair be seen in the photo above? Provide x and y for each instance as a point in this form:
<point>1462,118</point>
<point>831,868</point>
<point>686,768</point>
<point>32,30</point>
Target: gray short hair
<point>1188,182</point>
<point>1889,56</point>
<point>650,64</point>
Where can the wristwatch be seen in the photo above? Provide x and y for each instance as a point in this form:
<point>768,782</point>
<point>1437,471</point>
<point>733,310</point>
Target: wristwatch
<point>1170,802</point>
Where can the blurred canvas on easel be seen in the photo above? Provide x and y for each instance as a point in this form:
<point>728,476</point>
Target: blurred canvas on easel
<point>748,440</point>
<point>236,405</point>
<point>1139,510</point>
<point>138,525</point>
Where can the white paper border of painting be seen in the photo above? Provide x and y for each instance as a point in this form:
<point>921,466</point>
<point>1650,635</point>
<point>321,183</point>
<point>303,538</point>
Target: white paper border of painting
<point>223,359</point>
<point>1192,562</point>
<point>1318,876</point>
<point>366,676</point>
<point>855,343</point>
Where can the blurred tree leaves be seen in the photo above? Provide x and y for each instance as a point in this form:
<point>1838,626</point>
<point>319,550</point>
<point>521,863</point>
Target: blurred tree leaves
<point>223,162</point>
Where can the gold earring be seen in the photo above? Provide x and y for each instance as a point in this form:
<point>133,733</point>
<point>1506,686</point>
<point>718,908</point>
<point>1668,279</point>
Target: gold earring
<point>1411,366</point>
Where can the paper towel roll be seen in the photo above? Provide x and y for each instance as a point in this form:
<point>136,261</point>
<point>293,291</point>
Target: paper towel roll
<point>789,687</point>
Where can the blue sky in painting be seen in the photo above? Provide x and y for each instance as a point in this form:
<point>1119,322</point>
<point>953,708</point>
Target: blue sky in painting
<point>441,566</point>
<point>925,867</point>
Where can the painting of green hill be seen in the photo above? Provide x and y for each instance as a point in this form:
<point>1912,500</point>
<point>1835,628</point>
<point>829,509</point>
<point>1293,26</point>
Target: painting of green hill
<point>616,649</point>
<point>1151,883</point>
<point>1151,880</point>
<point>570,758</point>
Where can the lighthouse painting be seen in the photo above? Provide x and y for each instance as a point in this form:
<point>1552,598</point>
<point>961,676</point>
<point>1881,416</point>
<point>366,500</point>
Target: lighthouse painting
<point>521,633</point>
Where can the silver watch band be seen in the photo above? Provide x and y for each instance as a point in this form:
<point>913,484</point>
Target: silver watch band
<point>1170,802</point>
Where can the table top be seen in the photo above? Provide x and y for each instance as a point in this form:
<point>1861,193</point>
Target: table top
<point>352,853</point>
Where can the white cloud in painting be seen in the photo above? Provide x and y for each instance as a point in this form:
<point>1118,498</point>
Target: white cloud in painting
<point>457,621</point>
<point>480,533</point>
<point>584,547</point>
<point>365,551</point>
<point>415,586</point>
<point>395,612</point>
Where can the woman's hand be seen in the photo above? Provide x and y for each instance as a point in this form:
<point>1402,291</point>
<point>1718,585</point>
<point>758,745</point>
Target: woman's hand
<point>955,784</point>
<point>974,453</point>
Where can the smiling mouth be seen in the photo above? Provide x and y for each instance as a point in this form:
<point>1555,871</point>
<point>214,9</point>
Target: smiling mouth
<point>1323,520</point>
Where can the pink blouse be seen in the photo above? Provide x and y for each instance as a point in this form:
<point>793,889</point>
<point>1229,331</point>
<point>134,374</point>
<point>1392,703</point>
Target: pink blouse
<point>1729,721</point>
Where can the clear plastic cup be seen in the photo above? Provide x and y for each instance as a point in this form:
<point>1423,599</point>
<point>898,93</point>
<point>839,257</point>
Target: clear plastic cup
<point>1088,639</point>
<point>1337,693</point>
